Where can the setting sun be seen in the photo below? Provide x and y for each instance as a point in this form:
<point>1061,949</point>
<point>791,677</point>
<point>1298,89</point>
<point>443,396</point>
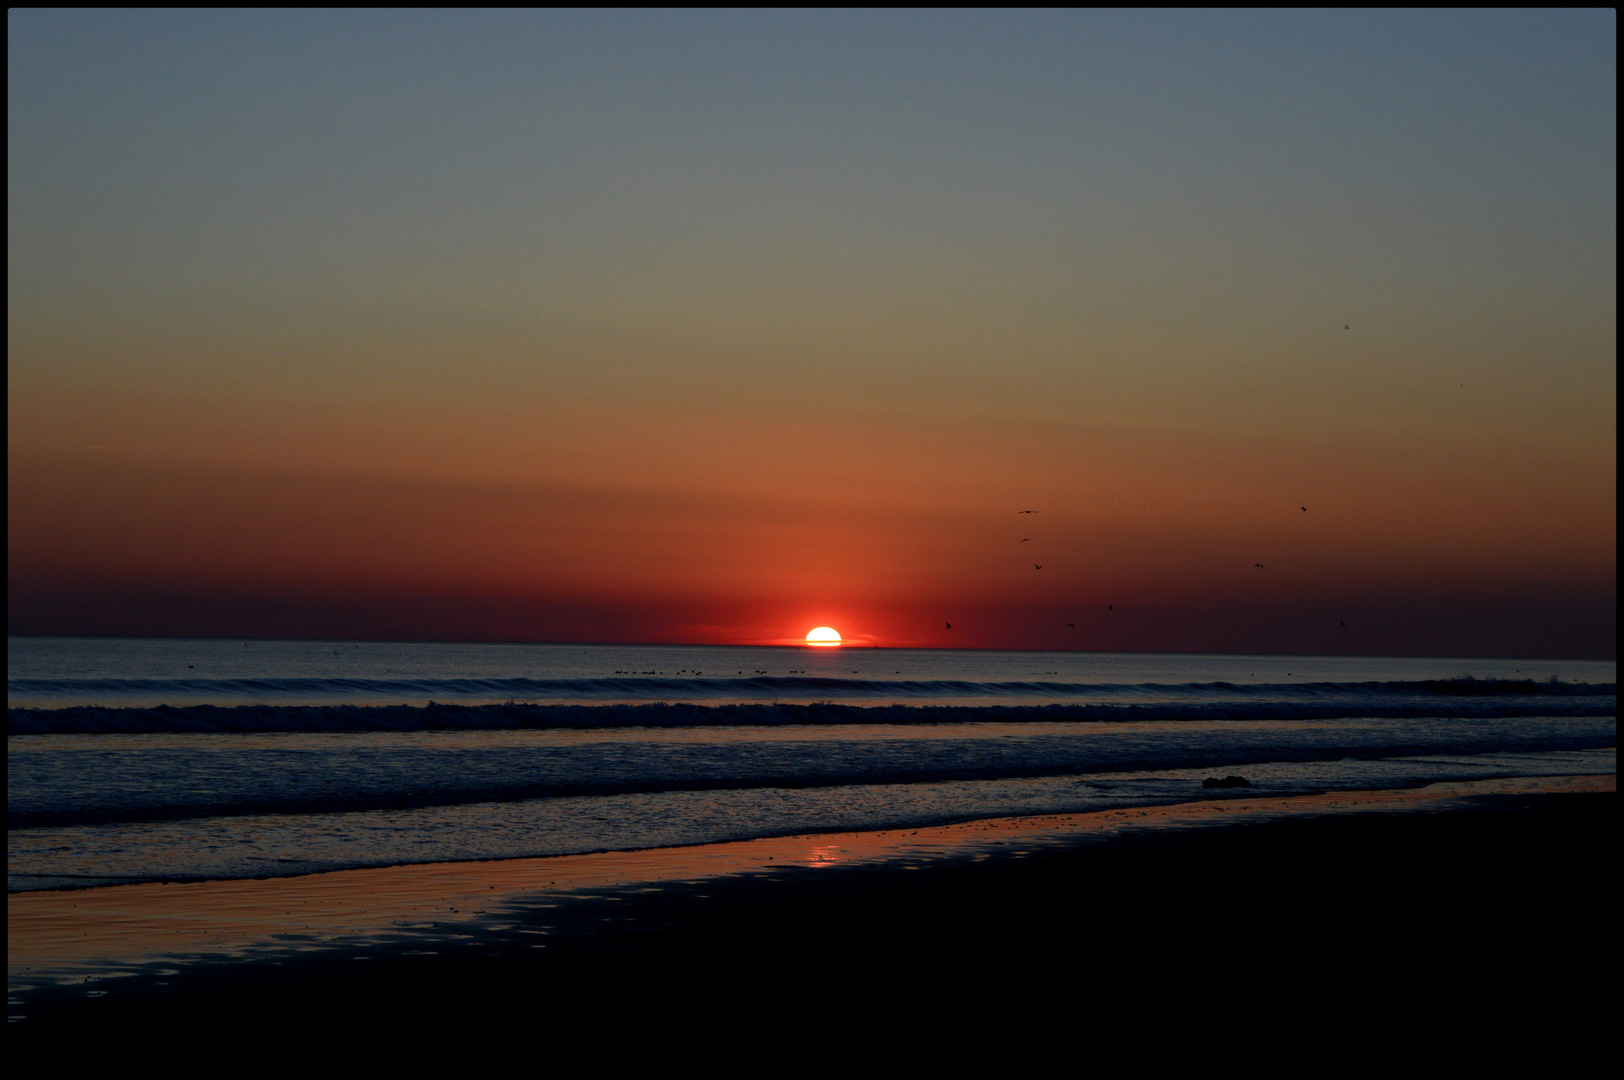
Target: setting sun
<point>823,635</point>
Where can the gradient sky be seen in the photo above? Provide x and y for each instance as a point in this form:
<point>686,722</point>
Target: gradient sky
<point>713,327</point>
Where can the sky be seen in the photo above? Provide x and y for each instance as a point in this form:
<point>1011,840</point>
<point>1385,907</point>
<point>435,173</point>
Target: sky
<point>716,327</point>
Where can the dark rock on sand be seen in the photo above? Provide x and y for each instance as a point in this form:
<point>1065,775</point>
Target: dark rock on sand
<point>1228,781</point>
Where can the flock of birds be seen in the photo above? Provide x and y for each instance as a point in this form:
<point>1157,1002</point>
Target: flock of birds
<point>1112,607</point>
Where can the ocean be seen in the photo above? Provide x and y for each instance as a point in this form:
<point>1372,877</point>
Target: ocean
<point>170,760</point>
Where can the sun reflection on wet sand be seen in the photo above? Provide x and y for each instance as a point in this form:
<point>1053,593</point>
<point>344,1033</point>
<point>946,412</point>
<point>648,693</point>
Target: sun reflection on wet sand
<point>824,855</point>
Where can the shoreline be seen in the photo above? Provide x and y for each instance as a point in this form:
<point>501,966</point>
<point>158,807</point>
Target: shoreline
<point>1468,926</point>
<point>65,937</point>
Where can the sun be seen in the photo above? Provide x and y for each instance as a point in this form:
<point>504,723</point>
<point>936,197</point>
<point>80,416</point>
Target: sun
<point>823,635</point>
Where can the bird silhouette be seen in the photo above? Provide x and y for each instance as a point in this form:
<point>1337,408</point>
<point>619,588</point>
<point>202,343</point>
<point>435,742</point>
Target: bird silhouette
<point>1110,607</point>
<point>1071,626</point>
<point>1343,624</point>
<point>950,626</point>
<point>1035,566</point>
<point>1026,540</point>
<point>1026,511</point>
<point>1258,565</point>
<point>1344,326</point>
<point>1305,509</point>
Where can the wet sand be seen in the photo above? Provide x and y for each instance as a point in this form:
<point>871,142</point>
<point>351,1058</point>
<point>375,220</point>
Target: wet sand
<point>1489,903</point>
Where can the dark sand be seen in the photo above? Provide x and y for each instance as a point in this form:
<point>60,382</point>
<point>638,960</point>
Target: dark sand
<point>1485,931</point>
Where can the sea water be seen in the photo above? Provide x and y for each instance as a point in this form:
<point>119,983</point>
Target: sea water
<point>142,760</point>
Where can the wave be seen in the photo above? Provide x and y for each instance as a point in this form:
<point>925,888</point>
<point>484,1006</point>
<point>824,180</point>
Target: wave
<point>757,686</point>
<point>174,785</point>
<point>94,719</point>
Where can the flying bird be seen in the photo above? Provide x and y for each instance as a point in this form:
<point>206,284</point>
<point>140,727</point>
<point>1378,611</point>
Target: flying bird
<point>1343,624</point>
<point>950,626</point>
<point>1258,565</point>
<point>1110,607</point>
<point>1026,539</point>
<point>1344,326</point>
<point>1071,626</point>
<point>1035,566</point>
<point>1026,511</point>
<point>1305,509</point>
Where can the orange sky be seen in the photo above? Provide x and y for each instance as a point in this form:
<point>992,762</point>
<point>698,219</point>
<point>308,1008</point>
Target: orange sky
<point>744,531</point>
<point>581,332</point>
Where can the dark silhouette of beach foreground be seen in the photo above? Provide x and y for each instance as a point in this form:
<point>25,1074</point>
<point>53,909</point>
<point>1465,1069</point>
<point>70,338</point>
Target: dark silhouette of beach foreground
<point>1472,933</point>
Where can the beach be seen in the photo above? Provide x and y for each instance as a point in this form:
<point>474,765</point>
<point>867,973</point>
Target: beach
<point>1481,904</point>
<point>812,541</point>
<point>758,854</point>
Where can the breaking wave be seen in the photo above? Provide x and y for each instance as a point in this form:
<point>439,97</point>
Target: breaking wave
<point>193,778</point>
<point>654,701</point>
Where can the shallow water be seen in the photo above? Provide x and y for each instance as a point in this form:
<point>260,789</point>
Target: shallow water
<point>102,788</point>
